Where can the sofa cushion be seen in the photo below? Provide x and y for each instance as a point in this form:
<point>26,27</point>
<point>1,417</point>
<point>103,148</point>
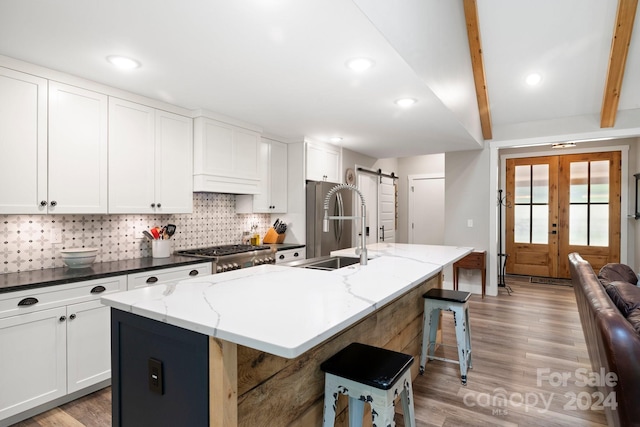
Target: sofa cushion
<point>625,296</point>
<point>634,319</point>
<point>613,272</point>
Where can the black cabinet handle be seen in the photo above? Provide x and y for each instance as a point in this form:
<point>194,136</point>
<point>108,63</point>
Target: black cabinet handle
<point>152,279</point>
<point>159,205</point>
<point>194,273</point>
<point>98,289</point>
<point>53,203</point>
<point>62,318</point>
<point>28,301</point>
<point>153,205</point>
<point>281,257</point>
<point>43,203</point>
<point>295,254</point>
<point>73,316</point>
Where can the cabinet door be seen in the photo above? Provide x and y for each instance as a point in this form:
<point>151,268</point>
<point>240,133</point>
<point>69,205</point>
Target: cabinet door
<point>174,163</point>
<point>323,163</point>
<point>262,200</point>
<point>278,177</point>
<point>131,157</point>
<point>88,344</point>
<point>23,134</point>
<point>77,169</point>
<point>32,360</point>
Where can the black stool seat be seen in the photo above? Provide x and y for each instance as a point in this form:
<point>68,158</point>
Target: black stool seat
<point>447,295</point>
<point>373,366</point>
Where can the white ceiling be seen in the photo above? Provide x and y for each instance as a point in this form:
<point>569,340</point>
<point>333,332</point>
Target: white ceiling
<point>280,64</point>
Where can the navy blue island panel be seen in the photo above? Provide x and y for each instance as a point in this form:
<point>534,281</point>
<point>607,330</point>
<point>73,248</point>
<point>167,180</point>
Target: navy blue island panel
<point>160,373</point>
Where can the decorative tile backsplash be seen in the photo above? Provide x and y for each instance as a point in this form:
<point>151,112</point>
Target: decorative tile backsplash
<point>25,240</point>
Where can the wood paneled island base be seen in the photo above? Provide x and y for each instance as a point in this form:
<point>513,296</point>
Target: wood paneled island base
<point>251,388</point>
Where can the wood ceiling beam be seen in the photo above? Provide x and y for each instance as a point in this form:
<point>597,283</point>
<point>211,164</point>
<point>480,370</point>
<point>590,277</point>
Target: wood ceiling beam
<point>477,64</point>
<point>617,59</point>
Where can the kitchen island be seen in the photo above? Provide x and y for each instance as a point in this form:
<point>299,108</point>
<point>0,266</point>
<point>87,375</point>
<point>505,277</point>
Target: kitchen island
<point>266,330</point>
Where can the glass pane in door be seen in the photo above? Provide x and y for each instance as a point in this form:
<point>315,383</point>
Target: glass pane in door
<point>578,188</point>
<point>540,224</point>
<point>540,184</point>
<point>522,223</point>
<point>578,230</point>
<point>599,225</point>
<point>599,182</point>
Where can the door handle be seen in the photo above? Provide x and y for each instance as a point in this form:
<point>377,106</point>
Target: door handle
<point>382,232</point>
<point>553,232</point>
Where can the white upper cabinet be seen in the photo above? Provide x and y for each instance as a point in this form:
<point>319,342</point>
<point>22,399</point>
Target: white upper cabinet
<point>273,181</point>
<point>174,162</point>
<point>226,158</point>
<point>62,169</point>
<point>323,162</point>
<point>150,160</point>
<point>23,135</point>
<point>77,150</point>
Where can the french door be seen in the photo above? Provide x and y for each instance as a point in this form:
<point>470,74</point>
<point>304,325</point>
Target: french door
<point>562,204</point>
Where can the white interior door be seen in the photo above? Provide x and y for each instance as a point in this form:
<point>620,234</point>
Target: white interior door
<point>386,210</point>
<point>426,210</point>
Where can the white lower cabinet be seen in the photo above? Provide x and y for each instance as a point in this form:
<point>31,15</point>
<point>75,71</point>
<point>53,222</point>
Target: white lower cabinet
<point>290,255</point>
<point>58,344</point>
<point>167,275</point>
<point>88,345</point>
<point>32,360</point>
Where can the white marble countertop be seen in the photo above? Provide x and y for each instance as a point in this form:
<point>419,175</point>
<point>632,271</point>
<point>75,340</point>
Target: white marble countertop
<point>285,310</point>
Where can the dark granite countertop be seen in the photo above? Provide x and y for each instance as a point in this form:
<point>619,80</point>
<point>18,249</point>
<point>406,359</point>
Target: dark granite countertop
<point>25,280</point>
<point>285,246</point>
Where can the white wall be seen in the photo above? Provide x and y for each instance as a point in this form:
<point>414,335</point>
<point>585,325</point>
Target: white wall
<point>428,164</point>
<point>467,198</point>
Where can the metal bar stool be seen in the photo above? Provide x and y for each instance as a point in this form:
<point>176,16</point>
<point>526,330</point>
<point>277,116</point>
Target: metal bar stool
<point>368,374</point>
<point>435,301</point>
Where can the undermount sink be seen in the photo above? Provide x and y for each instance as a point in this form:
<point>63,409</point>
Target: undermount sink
<point>325,262</point>
<point>333,263</point>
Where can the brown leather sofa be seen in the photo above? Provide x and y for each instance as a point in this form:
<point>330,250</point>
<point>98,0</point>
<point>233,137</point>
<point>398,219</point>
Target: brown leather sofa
<point>612,341</point>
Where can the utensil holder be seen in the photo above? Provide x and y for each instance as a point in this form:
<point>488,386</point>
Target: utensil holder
<point>273,237</point>
<point>161,248</point>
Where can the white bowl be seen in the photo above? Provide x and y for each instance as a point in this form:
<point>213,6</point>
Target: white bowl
<point>78,252</point>
<point>82,262</point>
<point>79,257</point>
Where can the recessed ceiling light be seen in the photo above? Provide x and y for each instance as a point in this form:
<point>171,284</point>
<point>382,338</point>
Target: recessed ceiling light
<point>406,102</point>
<point>335,139</point>
<point>360,64</point>
<point>122,62</point>
<point>533,79</point>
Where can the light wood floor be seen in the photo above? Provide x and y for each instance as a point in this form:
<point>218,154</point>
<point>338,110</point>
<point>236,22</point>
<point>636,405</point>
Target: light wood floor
<point>514,337</point>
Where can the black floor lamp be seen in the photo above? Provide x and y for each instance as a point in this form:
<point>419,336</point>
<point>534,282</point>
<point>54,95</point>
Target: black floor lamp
<point>502,257</point>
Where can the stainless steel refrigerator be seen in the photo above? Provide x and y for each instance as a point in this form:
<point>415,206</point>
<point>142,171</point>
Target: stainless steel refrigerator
<point>339,235</point>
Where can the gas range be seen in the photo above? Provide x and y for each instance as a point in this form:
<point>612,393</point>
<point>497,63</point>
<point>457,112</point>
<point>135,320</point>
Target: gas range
<point>232,257</point>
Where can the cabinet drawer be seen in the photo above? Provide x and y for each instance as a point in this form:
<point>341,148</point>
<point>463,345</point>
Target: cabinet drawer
<point>290,255</point>
<point>473,260</point>
<point>174,274</point>
<point>19,302</point>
